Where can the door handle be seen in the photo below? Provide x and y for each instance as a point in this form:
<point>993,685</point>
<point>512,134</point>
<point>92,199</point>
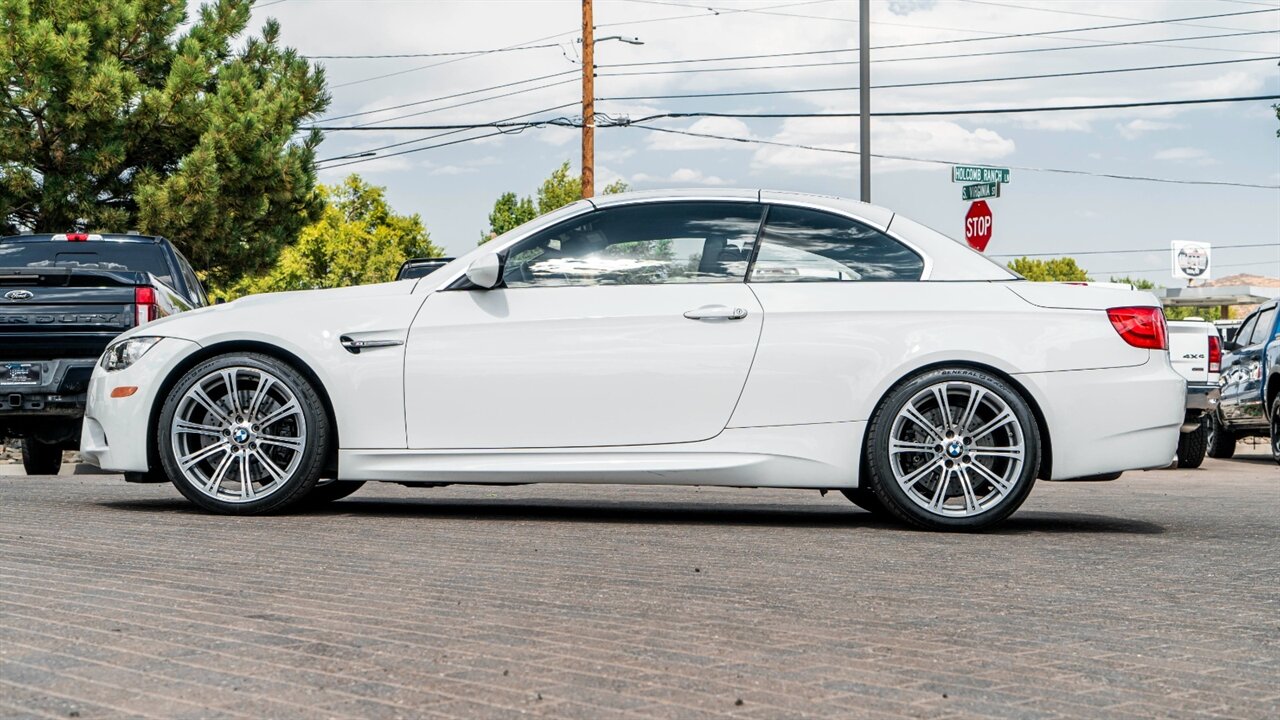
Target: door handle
<point>716,312</point>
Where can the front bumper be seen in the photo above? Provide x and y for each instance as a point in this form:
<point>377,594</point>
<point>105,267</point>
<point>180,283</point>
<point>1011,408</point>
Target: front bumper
<point>115,431</point>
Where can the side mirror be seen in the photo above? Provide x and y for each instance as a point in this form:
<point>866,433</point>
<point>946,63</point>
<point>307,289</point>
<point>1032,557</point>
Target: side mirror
<point>485,272</point>
<point>1230,346</point>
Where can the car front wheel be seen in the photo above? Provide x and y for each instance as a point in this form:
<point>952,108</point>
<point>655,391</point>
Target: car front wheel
<point>243,434</point>
<point>953,449</point>
<point>1221,443</point>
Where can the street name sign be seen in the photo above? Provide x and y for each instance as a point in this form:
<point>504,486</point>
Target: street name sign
<point>979,191</point>
<point>978,174</point>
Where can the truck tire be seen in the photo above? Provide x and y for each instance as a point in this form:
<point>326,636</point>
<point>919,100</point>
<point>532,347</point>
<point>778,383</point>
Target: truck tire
<point>1221,441</point>
<point>41,458</point>
<point>1192,446</point>
<point>1275,429</point>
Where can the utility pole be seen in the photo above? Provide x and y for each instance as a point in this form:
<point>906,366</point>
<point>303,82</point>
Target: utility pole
<point>588,102</point>
<point>864,96</point>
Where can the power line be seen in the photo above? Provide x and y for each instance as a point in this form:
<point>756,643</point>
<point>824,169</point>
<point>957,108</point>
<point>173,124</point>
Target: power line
<point>1165,268</point>
<point>1088,14</point>
<point>841,151</point>
<point>463,104</point>
<point>452,132</point>
<point>425,101</point>
<point>917,57</point>
<point>938,82</point>
<point>430,54</point>
<point>968,111</point>
<point>714,13</point>
<point>428,147</point>
<point>515,46</point>
<point>1122,252</point>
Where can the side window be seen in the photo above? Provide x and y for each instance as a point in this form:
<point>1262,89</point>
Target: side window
<point>647,244</point>
<point>800,245</point>
<point>194,289</point>
<point>1246,329</point>
<point>1262,329</point>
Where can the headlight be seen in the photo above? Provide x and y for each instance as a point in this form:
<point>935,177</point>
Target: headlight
<point>126,352</point>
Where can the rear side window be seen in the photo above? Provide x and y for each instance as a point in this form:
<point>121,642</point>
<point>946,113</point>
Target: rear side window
<point>1262,328</point>
<point>800,245</point>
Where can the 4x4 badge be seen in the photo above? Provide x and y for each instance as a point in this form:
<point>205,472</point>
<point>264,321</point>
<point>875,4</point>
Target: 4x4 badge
<point>19,295</point>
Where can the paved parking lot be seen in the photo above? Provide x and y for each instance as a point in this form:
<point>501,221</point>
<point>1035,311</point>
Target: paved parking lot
<point>1154,596</point>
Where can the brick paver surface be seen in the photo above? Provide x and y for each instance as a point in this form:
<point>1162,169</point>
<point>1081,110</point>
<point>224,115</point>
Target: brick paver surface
<point>1154,596</point>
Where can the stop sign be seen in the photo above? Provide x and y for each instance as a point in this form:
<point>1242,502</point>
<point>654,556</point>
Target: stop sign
<point>978,225</point>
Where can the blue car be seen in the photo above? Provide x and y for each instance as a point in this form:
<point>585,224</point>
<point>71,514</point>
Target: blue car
<point>1250,401</point>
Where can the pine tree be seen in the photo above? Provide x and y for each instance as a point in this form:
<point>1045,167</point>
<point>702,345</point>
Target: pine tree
<point>117,115</point>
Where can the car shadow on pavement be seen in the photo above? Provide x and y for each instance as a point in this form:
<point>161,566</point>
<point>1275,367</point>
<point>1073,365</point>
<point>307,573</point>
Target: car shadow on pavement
<point>640,512</point>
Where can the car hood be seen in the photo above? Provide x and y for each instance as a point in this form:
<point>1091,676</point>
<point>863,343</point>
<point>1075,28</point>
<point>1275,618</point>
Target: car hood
<point>279,304</point>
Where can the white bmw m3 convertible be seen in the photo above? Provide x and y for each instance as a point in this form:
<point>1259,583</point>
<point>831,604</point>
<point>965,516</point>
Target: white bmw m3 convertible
<point>738,338</point>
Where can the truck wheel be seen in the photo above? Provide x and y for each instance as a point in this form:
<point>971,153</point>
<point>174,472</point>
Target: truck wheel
<point>1275,429</point>
<point>1192,446</point>
<point>1221,441</point>
<point>41,458</point>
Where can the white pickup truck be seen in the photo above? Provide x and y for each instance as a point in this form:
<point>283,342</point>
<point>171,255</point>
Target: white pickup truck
<point>1195,349</point>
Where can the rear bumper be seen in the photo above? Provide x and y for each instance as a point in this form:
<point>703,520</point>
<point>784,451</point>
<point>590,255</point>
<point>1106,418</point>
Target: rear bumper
<point>1108,421</point>
<point>1202,397</point>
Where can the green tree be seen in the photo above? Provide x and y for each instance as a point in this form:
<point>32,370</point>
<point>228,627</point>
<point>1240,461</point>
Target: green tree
<point>357,240</point>
<point>1062,269</point>
<point>119,114</point>
<point>559,189</point>
<point>1173,312</point>
<point>1136,282</point>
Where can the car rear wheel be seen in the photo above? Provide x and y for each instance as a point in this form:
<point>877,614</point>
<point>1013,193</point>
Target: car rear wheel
<point>243,434</point>
<point>1192,446</point>
<point>1221,442</point>
<point>41,458</point>
<point>953,449</point>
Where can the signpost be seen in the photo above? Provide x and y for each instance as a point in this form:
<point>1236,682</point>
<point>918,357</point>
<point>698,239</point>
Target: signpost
<point>982,190</point>
<point>978,174</point>
<point>986,181</point>
<point>978,225</point>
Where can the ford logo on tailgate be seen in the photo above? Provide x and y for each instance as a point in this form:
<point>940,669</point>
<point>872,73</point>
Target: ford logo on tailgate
<point>19,295</point>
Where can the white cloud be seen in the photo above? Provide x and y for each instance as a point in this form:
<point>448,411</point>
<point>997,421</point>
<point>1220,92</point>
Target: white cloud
<point>1140,126</point>
<point>726,127</point>
<point>682,176</point>
<point>1191,155</point>
<point>928,139</point>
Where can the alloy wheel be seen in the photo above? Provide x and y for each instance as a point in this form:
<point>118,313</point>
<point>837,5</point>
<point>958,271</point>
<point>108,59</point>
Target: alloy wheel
<point>956,449</point>
<point>238,434</point>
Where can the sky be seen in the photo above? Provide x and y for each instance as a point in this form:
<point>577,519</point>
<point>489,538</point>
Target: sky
<point>453,187</point>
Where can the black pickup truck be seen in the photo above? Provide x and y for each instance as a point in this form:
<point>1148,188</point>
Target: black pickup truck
<point>63,298</point>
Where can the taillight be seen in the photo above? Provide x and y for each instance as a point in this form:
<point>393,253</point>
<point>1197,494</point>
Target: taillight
<point>77,237</point>
<point>1215,353</point>
<point>145,306</point>
<point>1141,327</point>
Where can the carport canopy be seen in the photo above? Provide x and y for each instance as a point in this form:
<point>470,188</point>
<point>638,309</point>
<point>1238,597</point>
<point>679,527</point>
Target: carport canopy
<point>1216,296</point>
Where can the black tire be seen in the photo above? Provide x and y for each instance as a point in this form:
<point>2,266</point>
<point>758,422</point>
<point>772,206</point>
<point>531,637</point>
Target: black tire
<point>41,458</point>
<point>1275,429</point>
<point>295,485</point>
<point>325,493</point>
<point>895,499</point>
<point>864,498</point>
<point>1221,442</point>
<point>1192,446</point>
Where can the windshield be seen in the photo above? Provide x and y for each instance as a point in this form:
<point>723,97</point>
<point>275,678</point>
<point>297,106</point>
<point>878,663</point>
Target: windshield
<point>93,255</point>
